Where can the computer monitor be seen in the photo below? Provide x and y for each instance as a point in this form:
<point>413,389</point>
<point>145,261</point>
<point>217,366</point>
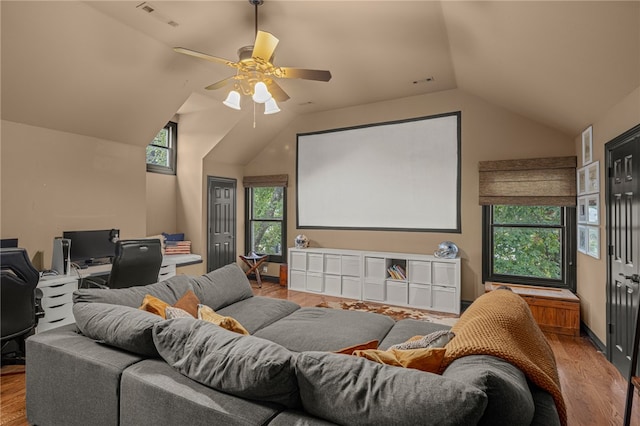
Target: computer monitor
<point>90,247</point>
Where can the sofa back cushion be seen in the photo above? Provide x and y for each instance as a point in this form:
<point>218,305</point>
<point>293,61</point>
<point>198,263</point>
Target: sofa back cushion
<point>169,290</point>
<point>244,366</point>
<point>510,401</point>
<point>222,287</point>
<point>351,390</point>
<point>121,326</point>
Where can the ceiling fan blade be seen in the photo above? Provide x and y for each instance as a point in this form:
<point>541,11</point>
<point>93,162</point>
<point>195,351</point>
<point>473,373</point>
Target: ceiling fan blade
<point>204,56</point>
<point>220,84</point>
<point>318,75</point>
<point>264,46</point>
<point>276,91</point>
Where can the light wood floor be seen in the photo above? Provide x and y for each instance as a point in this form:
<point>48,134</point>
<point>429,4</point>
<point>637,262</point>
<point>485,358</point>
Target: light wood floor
<point>594,390</point>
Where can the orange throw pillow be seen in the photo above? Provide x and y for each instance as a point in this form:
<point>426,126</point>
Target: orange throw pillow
<point>372,344</point>
<point>188,302</point>
<point>231,324</point>
<point>425,359</point>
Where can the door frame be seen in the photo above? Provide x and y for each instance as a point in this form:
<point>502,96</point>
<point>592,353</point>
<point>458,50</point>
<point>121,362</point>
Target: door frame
<point>613,144</point>
<point>210,181</point>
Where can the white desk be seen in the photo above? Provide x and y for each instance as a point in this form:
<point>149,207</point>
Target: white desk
<point>167,270</point>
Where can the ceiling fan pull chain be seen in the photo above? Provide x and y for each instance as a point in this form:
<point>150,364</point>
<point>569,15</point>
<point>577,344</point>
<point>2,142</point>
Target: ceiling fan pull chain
<point>254,114</point>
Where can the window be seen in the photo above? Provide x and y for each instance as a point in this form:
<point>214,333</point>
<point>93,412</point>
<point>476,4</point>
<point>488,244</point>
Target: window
<point>266,221</point>
<point>161,152</point>
<point>529,245</point>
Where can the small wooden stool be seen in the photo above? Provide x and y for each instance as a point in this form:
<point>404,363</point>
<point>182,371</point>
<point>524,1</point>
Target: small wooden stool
<point>254,261</point>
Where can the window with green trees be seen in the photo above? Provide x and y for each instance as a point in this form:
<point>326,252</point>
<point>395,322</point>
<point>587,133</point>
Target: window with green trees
<point>266,221</point>
<point>529,245</point>
<point>161,152</point>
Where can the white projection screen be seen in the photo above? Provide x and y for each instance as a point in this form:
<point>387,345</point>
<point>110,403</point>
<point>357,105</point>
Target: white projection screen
<point>401,175</point>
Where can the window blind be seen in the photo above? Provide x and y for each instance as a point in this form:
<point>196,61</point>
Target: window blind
<point>270,180</point>
<point>528,182</point>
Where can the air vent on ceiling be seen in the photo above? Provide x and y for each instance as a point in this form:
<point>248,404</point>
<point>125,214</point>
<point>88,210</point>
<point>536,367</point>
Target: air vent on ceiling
<point>424,80</point>
<point>152,11</point>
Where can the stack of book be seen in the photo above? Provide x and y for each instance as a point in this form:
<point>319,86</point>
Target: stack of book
<point>397,272</point>
<point>177,247</point>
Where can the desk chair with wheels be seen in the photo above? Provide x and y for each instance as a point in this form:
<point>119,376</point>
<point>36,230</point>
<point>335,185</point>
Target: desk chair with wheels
<point>20,296</point>
<point>137,262</point>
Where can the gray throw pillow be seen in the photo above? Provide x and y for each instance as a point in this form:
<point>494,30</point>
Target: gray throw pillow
<point>437,339</point>
<point>244,366</point>
<point>352,390</point>
<point>121,326</point>
<point>222,287</point>
<point>510,402</point>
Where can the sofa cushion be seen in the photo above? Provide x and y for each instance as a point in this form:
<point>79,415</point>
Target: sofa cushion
<point>324,329</point>
<point>351,390</point>
<point>244,366</point>
<point>405,329</point>
<point>153,393</point>
<point>258,312</point>
<point>510,401</point>
<point>222,287</point>
<point>121,326</point>
<point>546,413</point>
<point>169,290</point>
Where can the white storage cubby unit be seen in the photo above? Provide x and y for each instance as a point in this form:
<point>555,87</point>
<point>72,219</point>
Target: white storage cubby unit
<point>413,280</point>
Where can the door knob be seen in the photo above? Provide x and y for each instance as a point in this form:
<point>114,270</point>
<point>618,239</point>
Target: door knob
<point>633,277</point>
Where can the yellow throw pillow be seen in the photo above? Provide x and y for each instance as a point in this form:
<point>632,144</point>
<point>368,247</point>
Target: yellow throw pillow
<point>154,305</point>
<point>208,314</point>
<point>372,344</point>
<point>188,302</point>
<point>426,359</point>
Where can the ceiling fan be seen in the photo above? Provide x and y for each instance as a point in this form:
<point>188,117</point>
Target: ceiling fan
<point>255,71</point>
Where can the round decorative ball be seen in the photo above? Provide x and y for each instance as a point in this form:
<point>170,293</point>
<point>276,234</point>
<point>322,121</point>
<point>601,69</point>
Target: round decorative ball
<point>302,241</point>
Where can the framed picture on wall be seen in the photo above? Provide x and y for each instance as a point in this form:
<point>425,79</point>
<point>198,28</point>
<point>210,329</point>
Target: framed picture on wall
<point>582,209</point>
<point>592,209</point>
<point>587,146</point>
<point>582,239</point>
<point>581,178</point>
<point>593,241</point>
<point>592,184</point>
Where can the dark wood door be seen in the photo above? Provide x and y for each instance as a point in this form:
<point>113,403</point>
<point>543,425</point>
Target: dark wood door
<point>623,207</point>
<point>221,249</point>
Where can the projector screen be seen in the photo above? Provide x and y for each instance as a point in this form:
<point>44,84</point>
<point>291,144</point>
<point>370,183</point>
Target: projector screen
<point>402,175</point>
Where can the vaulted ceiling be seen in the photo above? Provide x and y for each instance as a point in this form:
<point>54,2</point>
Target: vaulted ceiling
<point>107,69</point>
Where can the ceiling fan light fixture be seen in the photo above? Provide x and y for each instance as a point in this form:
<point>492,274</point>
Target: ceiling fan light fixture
<point>271,107</point>
<point>233,100</point>
<point>260,93</point>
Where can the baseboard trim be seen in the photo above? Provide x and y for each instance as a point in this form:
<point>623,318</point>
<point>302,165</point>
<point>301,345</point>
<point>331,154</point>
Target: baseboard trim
<point>268,278</point>
<point>594,339</point>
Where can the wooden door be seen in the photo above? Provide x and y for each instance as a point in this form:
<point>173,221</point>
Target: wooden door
<point>623,235</point>
<point>221,248</point>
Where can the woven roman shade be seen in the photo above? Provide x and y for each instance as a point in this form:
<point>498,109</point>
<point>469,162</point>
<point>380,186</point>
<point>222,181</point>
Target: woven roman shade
<point>270,180</point>
<point>529,182</point>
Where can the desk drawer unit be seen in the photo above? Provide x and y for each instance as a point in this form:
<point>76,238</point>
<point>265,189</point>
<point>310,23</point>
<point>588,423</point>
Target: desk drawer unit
<point>166,272</point>
<point>57,302</point>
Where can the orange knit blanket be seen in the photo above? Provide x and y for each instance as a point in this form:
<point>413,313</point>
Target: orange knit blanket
<point>499,323</point>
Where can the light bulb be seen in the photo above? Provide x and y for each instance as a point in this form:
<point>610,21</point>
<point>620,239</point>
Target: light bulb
<point>233,100</point>
<point>260,93</point>
<point>271,107</point>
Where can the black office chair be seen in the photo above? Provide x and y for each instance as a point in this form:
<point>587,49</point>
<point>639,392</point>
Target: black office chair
<point>21,307</point>
<point>137,262</point>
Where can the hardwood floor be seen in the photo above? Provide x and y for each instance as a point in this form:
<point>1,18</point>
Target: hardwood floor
<point>594,390</point>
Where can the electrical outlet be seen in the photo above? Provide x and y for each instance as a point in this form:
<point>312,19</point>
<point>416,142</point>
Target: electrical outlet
<point>264,269</point>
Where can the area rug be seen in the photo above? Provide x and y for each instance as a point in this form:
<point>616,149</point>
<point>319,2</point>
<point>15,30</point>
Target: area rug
<point>395,312</point>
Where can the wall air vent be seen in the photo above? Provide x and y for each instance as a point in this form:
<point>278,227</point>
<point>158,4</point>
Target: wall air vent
<point>152,11</point>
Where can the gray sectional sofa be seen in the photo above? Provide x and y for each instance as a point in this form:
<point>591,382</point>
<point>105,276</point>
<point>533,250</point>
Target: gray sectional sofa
<point>119,365</point>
